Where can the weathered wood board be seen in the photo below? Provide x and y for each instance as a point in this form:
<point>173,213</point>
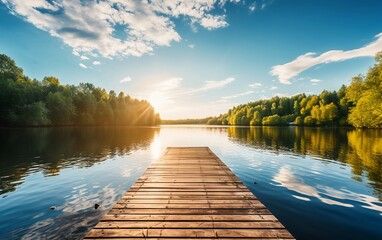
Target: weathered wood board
<point>189,193</point>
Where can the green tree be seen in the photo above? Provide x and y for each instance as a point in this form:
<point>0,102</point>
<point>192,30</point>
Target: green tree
<point>365,95</point>
<point>8,69</point>
<point>329,113</point>
<point>272,120</point>
<point>61,109</point>
<point>296,108</point>
<point>105,114</point>
<point>257,119</point>
<point>34,114</point>
<point>368,112</point>
<point>309,121</point>
<point>299,121</point>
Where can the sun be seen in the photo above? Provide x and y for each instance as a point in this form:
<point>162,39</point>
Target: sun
<point>157,100</point>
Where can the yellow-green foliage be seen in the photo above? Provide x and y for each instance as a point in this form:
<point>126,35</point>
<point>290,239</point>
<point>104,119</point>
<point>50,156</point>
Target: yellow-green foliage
<point>359,104</point>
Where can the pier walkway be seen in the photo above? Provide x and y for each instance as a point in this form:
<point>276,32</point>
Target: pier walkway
<point>189,193</point>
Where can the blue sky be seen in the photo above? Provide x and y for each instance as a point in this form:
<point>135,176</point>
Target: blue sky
<point>194,58</point>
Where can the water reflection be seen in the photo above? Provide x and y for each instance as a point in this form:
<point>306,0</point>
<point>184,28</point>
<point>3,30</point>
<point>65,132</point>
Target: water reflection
<point>49,150</point>
<point>305,176</point>
<point>362,149</point>
<point>51,178</point>
<point>286,178</point>
<point>365,155</point>
<point>75,216</point>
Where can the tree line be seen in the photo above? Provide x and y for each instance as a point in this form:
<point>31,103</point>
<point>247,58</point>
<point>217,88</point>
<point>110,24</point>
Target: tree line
<point>186,121</point>
<point>358,105</point>
<point>27,102</point>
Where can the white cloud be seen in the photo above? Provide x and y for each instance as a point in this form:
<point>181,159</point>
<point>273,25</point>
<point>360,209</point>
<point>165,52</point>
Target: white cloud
<point>289,70</point>
<point>125,79</point>
<point>216,84</point>
<point>96,63</point>
<point>92,27</point>
<point>75,53</point>
<point>168,85</point>
<point>211,22</point>
<point>83,65</point>
<point>255,85</point>
<point>84,57</point>
<point>208,85</point>
<point>237,95</point>
<point>252,7</point>
<point>191,46</point>
<point>273,88</point>
<point>259,5</point>
<point>315,80</point>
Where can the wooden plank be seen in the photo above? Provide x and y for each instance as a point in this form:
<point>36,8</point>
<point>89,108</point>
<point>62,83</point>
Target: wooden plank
<point>191,233</point>
<point>187,206</point>
<point>190,218</point>
<point>185,201</point>
<point>191,211</point>
<point>187,224</point>
<point>189,193</point>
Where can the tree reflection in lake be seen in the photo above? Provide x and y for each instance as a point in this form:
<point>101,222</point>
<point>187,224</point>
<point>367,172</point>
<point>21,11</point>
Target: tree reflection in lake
<point>305,176</point>
<point>361,148</point>
<point>51,178</point>
<point>51,149</point>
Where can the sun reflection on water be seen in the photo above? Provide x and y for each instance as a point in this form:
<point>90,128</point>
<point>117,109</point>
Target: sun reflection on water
<point>156,147</point>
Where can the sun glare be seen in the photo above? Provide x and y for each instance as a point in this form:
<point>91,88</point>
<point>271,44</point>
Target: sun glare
<point>157,100</point>
<point>156,148</point>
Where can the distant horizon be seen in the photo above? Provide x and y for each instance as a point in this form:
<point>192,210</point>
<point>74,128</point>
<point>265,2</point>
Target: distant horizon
<point>194,59</point>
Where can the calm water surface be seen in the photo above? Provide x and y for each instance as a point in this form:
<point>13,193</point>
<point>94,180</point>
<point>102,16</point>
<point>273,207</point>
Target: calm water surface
<point>320,183</point>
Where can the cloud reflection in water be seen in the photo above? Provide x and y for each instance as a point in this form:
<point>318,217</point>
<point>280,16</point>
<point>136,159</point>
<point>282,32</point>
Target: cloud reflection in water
<point>286,178</point>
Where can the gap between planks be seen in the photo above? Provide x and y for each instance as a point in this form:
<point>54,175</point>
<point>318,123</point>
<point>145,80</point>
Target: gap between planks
<point>189,193</point>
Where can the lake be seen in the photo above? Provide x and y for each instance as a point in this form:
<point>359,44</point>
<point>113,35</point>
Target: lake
<point>321,183</point>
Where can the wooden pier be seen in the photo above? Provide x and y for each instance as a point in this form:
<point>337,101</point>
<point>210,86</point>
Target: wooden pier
<point>189,193</point>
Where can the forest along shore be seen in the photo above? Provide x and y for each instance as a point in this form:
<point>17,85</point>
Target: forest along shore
<point>358,105</point>
<point>27,102</point>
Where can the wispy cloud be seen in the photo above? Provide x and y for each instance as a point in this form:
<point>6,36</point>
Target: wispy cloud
<point>289,70</point>
<point>171,99</point>
<point>252,7</point>
<point>315,80</point>
<point>208,85</point>
<point>237,95</point>
<point>125,79</point>
<point>273,88</point>
<point>89,27</point>
<point>171,88</point>
<point>169,85</point>
<point>75,53</point>
<point>215,84</point>
<point>255,85</point>
<point>191,46</point>
<point>96,63</point>
<point>83,65</point>
<point>84,57</point>
<point>259,5</point>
